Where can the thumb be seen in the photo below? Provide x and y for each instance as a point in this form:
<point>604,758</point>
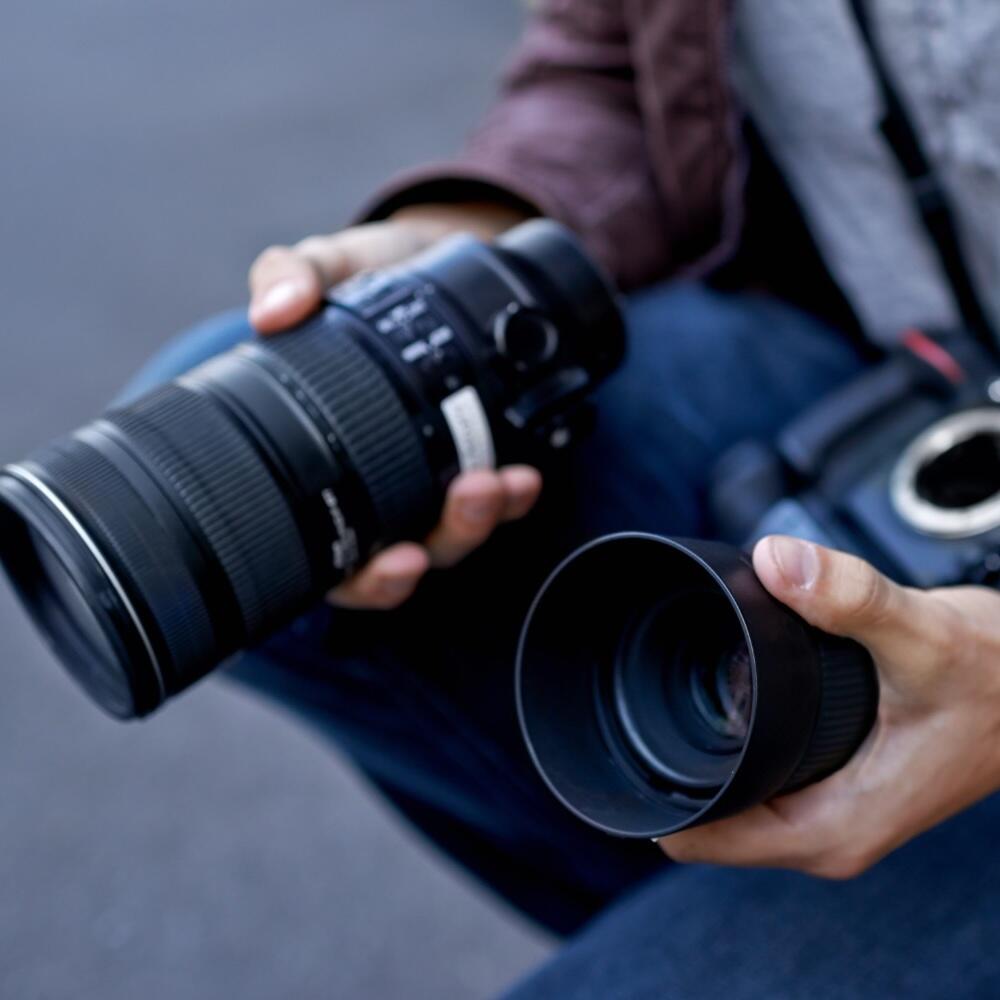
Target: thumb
<point>840,594</point>
<point>285,287</point>
<point>287,283</point>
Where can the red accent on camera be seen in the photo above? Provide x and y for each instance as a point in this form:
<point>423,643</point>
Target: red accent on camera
<point>932,353</point>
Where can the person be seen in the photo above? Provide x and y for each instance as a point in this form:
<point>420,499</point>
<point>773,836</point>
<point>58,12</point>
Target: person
<point>725,164</point>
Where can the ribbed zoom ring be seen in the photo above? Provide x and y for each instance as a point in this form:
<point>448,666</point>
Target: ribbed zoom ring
<point>219,479</point>
<point>365,411</point>
<point>848,703</point>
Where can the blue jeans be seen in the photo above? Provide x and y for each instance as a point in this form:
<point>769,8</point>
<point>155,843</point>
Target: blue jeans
<point>421,700</point>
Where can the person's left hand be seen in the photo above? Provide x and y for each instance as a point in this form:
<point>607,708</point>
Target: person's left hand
<point>935,746</point>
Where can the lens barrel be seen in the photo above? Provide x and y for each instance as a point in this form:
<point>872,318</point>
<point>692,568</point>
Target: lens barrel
<point>173,532</point>
<point>660,686</point>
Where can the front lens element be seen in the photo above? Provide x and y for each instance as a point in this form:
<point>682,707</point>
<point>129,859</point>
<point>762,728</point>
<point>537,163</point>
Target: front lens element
<point>722,691</point>
<point>682,690</point>
<point>64,597</point>
<point>58,585</point>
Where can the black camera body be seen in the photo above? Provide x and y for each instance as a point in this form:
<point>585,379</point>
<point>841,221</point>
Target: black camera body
<point>900,466</point>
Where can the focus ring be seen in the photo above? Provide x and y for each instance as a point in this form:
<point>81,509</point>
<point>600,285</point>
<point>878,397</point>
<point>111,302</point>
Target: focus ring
<point>222,481</point>
<point>847,706</point>
<point>364,409</point>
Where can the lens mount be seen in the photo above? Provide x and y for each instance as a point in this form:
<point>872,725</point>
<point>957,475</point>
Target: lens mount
<point>946,484</point>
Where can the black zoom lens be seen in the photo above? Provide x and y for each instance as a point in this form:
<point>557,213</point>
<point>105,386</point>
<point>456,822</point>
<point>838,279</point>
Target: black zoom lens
<point>156,542</point>
<point>660,686</point>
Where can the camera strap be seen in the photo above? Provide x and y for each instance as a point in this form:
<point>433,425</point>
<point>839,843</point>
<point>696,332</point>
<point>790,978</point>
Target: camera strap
<point>929,196</point>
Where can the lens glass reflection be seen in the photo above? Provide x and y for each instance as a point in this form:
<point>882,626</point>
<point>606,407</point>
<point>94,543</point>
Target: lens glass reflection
<point>683,689</point>
<point>66,602</point>
<point>69,616</point>
<point>721,691</point>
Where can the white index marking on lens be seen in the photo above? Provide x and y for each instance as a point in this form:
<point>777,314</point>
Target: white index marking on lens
<point>415,351</point>
<point>993,390</point>
<point>68,516</point>
<point>470,429</point>
<point>401,315</point>
<point>442,335</point>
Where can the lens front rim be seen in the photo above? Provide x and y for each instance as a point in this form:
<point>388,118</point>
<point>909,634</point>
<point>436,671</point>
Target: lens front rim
<point>30,504</point>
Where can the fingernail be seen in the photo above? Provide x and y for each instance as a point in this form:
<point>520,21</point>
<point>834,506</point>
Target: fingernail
<point>279,297</point>
<point>476,510</point>
<point>797,561</point>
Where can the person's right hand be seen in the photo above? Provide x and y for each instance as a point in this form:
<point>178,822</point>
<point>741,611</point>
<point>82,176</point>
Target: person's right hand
<point>287,283</point>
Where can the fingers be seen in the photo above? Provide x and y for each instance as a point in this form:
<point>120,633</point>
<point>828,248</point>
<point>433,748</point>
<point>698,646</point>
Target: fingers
<point>522,486</point>
<point>474,506</point>
<point>288,283</point>
<point>768,837</point>
<point>386,581</point>
<point>476,503</point>
<point>843,595</point>
<point>285,288</point>
<point>754,837</point>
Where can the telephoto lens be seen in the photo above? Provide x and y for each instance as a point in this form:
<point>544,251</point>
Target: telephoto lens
<point>156,542</point>
<point>660,686</point>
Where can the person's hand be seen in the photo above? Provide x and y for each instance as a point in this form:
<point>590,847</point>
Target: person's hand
<point>288,283</point>
<point>935,747</point>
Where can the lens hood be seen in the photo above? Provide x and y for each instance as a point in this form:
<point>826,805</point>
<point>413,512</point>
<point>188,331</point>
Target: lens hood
<point>812,696</point>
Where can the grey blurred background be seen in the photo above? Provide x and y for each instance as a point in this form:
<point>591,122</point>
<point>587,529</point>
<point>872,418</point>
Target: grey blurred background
<point>149,151</point>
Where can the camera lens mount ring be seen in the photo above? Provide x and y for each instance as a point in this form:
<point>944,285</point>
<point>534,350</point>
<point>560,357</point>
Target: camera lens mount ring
<point>909,495</point>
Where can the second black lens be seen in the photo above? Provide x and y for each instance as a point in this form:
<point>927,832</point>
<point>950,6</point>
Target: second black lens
<point>660,686</point>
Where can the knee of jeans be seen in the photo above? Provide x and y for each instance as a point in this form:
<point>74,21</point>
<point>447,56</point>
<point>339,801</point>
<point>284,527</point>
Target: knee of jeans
<point>187,350</point>
<point>687,330</point>
<point>697,320</point>
<point>692,317</point>
<point>668,307</point>
<point>684,331</point>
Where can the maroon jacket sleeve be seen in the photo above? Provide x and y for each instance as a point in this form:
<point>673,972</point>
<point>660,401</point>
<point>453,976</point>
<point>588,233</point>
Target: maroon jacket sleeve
<point>566,139</point>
